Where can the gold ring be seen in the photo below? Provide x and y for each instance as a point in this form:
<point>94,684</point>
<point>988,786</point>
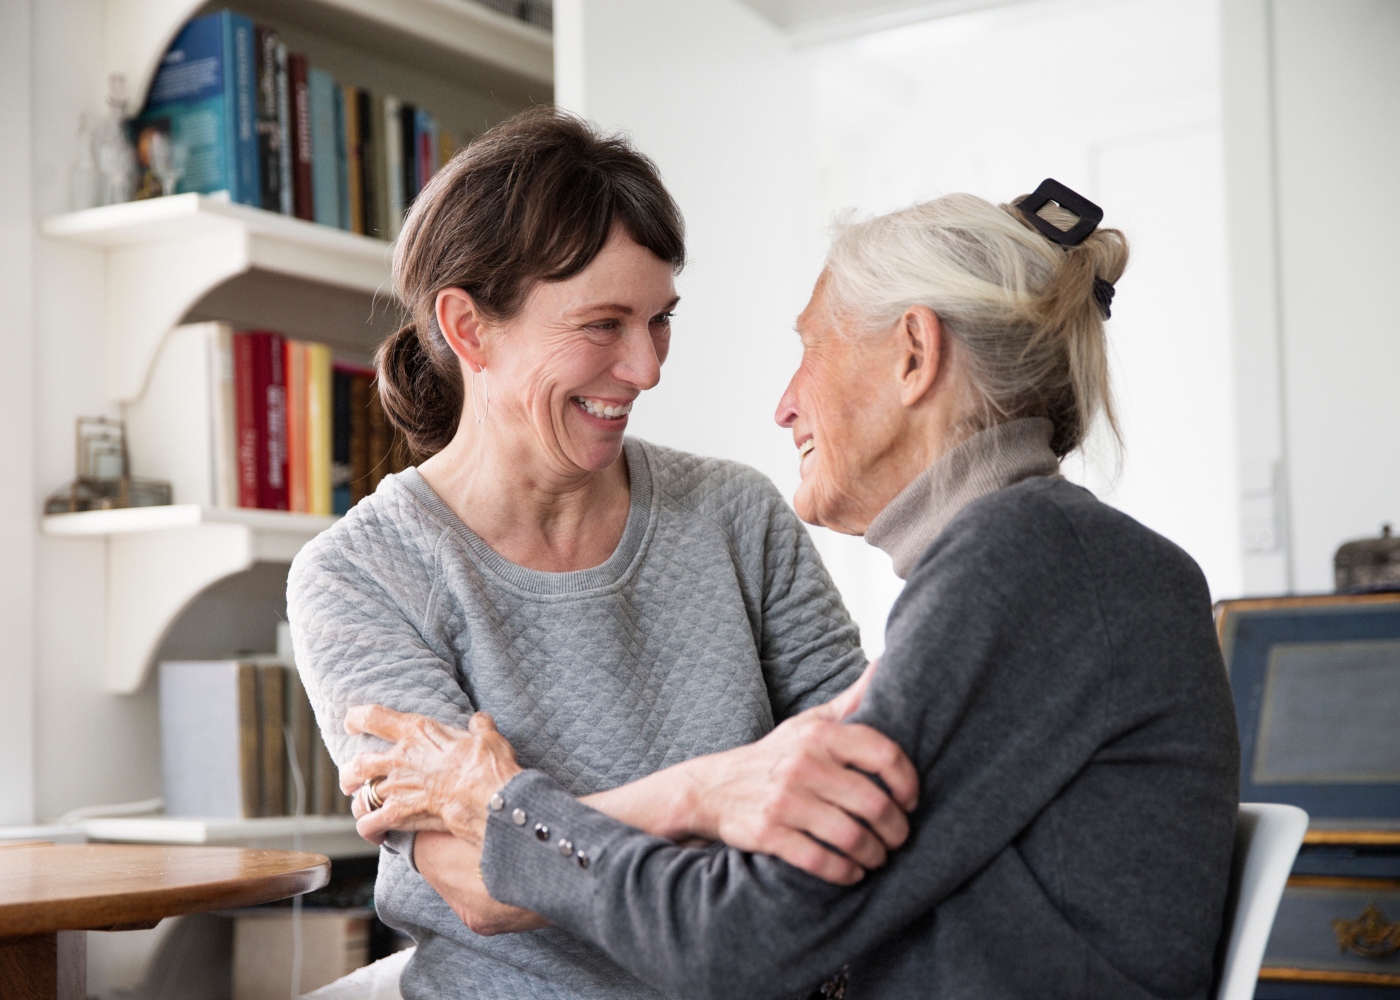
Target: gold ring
<point>371,790</point>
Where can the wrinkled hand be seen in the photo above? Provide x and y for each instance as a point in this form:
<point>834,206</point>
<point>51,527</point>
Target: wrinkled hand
<point>434,777</point>
<point>453,868</point>
<point>800,788</point>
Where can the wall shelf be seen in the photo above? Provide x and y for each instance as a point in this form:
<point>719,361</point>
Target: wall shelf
<point>457,39</point>
<point>159,559</point>
<point>333,836</point>
<point>164,255</point>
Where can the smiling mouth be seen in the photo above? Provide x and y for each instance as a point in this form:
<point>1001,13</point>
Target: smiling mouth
<point>603,411</point>
<point>805,449</point>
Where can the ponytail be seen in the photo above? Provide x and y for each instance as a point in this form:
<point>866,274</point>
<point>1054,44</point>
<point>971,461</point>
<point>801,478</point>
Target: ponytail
<point>420,388</point>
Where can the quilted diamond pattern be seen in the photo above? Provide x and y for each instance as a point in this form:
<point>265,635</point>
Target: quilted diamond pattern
<point>722,620</point>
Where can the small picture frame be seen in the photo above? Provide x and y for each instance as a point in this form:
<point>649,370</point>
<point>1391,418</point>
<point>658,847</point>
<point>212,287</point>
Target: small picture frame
<point>1316,682</point>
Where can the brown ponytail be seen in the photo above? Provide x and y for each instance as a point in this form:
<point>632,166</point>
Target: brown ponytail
<point>532,199</point>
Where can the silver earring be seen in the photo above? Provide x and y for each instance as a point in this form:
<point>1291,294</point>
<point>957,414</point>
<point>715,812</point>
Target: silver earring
<point>482,406</point>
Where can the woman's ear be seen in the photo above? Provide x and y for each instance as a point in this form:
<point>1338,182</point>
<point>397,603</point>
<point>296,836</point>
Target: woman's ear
<point>921,354</point>
<point>462,326</point>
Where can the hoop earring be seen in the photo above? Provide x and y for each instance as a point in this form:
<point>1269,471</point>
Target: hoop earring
<point>481,408</point>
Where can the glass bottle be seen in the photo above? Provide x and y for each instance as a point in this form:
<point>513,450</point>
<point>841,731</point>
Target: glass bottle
<point>83,178</point>
<point>116,161</point>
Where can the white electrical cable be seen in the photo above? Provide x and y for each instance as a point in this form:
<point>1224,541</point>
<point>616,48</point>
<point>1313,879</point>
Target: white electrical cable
<point>299,786</point>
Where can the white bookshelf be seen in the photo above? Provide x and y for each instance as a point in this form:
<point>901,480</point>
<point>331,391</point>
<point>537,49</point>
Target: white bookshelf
<point>459,40</point>
<point>333,836</point>
<point>160,558</point>
<point>164,255</point>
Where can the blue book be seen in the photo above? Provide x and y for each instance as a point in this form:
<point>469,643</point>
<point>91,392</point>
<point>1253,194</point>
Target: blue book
<point>325,161</point>
<point>204,96</point>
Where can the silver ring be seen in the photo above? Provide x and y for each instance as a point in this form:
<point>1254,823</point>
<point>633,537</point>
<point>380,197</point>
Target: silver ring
<point>371,790</point>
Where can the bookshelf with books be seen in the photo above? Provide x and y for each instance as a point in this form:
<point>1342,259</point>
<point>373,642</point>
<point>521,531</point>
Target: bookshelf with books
<point>461,42</point>
<point>265,440</point>
<point>252,258</point>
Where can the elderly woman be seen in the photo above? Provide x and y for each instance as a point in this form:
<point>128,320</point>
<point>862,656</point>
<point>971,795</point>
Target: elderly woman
<point>619,607</point>
<point>1050,668</point>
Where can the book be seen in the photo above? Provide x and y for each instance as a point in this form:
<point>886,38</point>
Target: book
<point>340,439</point>
<point>330,800</point>
<point>264,950</point>
<point>425,146</point>
<point>325,153</point>
<point>354,205</point>
<point>342,172</point>
<point>298,436</point>
<point>394,202</point>
<point>260,410</point>
<point>372,166</point>
<point>223,421</point>
<point>301,747</point>
<point>272,744</point>
<point>381,436</point>
<point>210,739</point>
<point>408,143</point>
<point>447,148</point>
<point>351,434</point>
<point>269,122</point>
<point>303,203</point>
<point>318,428</point>
<point>287,202</point>
<point>205,89</point>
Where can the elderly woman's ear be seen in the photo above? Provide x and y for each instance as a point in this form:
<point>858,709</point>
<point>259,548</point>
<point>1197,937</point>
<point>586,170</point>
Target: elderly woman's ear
<point>923,355</point>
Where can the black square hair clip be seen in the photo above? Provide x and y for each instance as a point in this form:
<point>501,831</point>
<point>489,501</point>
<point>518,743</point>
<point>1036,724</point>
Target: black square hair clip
<point>1090,215</point>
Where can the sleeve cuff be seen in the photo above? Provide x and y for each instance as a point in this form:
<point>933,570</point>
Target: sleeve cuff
<point>401,842</point>
<point>546,851</point>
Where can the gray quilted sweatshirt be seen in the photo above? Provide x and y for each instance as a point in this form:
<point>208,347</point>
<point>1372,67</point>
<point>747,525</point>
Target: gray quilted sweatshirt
<point>712,619</point>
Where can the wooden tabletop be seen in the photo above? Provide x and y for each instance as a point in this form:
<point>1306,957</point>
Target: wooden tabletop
<point>56,887</point>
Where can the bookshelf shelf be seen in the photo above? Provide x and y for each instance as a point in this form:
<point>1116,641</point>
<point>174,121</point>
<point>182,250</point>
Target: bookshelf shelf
<point>457,39</point>
<point>159,559</point>
<point>164,255</point>
<point>333,836</point>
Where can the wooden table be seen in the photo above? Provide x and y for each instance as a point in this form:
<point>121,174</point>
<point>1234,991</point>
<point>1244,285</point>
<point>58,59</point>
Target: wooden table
<point>52,894</point>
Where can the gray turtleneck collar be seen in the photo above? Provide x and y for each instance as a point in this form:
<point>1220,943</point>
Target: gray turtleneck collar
<point>988,461</point>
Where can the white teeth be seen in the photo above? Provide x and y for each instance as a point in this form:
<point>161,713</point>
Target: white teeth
<point>805,448</point>
<point>607,411</point>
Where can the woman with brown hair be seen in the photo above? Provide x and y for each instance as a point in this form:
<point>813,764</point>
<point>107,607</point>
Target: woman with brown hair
<point>618,607</point>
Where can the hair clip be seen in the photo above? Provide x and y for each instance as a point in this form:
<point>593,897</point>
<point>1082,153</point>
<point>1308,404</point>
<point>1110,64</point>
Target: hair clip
<point>1090,215</point>
<point>1103,296</point>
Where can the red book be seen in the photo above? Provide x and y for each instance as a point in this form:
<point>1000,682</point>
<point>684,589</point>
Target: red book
<point>260,405</point>
<point>302,203</point>
<point>245,419</point>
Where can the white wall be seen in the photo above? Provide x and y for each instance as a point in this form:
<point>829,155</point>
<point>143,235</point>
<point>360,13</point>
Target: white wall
<point>17,506</point>
<point>1337,108</point>
<point>1312,101</point>
<point>1118,99</point>
<point>762,143</point>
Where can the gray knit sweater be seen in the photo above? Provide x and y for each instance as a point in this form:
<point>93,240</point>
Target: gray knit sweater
<point>1052,671</point>
<point>713,618</point>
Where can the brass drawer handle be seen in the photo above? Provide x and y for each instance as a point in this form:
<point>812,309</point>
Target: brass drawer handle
<point>1369,935</point>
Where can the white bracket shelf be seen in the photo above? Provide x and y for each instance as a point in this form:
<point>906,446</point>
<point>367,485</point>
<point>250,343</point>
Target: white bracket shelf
<point>165,254</point>
<point>159,559</point>
<point>333,836</point>
<point>459,39</point>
